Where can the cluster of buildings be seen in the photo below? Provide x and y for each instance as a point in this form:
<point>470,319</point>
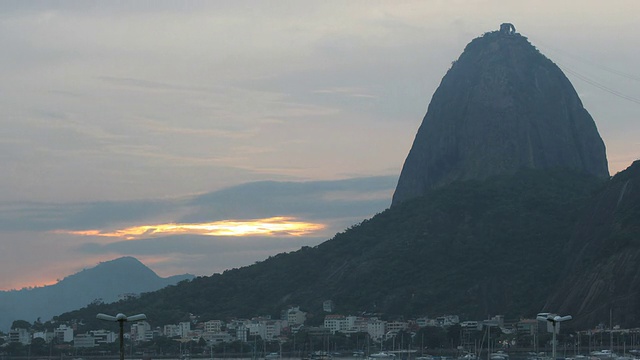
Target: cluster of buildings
<point>212,331</point>
<point>379,330</point>
<point>290,321</point>
<point>62,334</point>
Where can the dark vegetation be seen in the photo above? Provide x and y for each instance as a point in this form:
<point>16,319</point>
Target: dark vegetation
<point>473,248</point>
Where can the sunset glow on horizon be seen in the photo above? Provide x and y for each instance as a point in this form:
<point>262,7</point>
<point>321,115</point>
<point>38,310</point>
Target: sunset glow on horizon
<point>273,226</point>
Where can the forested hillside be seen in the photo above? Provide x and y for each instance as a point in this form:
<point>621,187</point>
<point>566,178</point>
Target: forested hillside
<point>472,248</point>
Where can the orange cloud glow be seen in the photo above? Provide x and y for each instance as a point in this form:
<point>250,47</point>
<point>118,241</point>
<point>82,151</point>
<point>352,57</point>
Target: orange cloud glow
<point>280,226</point>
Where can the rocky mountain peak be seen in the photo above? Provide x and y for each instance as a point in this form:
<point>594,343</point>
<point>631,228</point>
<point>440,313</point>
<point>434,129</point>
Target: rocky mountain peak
<point>501,107</point>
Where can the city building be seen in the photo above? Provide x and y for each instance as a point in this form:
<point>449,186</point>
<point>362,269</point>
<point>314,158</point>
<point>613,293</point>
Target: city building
<point>47,336</point>
<point>20,335</point>
<point>84,341</point>
<point>103,336</point>
<point>295,316</point>
<point>184,328</point>
<point>335,323</point>
<point>213,326</point>
<point>141,331</point>
<point>63,334</point>
<point>171,330</point>
<point>213,338</point>
<point>396,326</point>
<point>376,329</point>
<point>328,306</point>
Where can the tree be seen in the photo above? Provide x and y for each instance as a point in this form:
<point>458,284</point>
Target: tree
<point>20,324</point>
<point>433,337</point>
<point>39,347</point>
<point>16,349</point>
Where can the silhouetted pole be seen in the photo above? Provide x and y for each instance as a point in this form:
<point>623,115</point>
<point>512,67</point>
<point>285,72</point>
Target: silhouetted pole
<point>121,318</point>
<point>554,320</point>
<point>121,337</point>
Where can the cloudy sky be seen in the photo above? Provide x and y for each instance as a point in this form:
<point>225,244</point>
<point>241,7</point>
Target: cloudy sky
<point>203,135</point>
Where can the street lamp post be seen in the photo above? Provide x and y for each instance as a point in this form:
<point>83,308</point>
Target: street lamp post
<point>121,318</point>
<point>554,320</point>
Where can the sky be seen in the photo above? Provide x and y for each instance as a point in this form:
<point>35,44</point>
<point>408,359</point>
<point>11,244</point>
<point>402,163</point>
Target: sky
<point>200,136</point>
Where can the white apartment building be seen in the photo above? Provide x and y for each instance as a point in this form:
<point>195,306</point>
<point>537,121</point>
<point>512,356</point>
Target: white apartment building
<point>171,330</point>
<point>447,320</point>
<point>356,324</point>
<point>84,341</point>
<point>257,329</point>
<point>184,328</point>
<point>274,329</point>
<point>242,333</point>
<point>217,337</point>
<point>335,323</point>
<point>328,306</point>
<point>44,335</point>
<point>20,335</point>
<point>422,322</point>
<point>396,326</point>
<point>141,331</point>
<point>296,317</point>
<point>103,336</point>
<point>213,326</point>
<point>376,329</point>
<point>63,334</point>
<point>351,324</point>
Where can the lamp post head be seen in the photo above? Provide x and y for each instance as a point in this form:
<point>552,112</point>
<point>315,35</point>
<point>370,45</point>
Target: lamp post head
<point>544,316</point>
<point>562,318</point>
<point>106,317</point>
<point>553,318</point>
<point>121,317</point>
<point>137,317</point>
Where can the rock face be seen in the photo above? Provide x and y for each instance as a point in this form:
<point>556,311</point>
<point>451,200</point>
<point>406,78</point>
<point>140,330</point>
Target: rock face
<point>602,277</point>
<point>501,107</point>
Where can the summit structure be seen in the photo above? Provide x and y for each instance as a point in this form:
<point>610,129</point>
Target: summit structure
<point>501,107</point>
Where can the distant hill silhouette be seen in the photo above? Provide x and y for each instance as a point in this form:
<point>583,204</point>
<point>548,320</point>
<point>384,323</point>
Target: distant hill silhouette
<point>103,283</point>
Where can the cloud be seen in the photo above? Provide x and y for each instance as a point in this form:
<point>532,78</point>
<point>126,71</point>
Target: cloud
<point>77,216</point>
<point>313,200</point>
<point>273,226</point>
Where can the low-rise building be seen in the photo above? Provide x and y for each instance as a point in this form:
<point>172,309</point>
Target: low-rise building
<point>219,337</point>
<point>527,326</point>
<point>295,316</point>
<point>213,326</point>
<point>184,328</point>
<point>141,331</point>
<point>47,336</point>
<point>328,306</point>
<point>376,328</point>
<point>396,326</point>
<point>103,336</point>
<point>171,330</point>
<point>63,334</point>
<point>84,341</point>
<point>447,320</point>
<point>20,335</point>
<point>335,323</point>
